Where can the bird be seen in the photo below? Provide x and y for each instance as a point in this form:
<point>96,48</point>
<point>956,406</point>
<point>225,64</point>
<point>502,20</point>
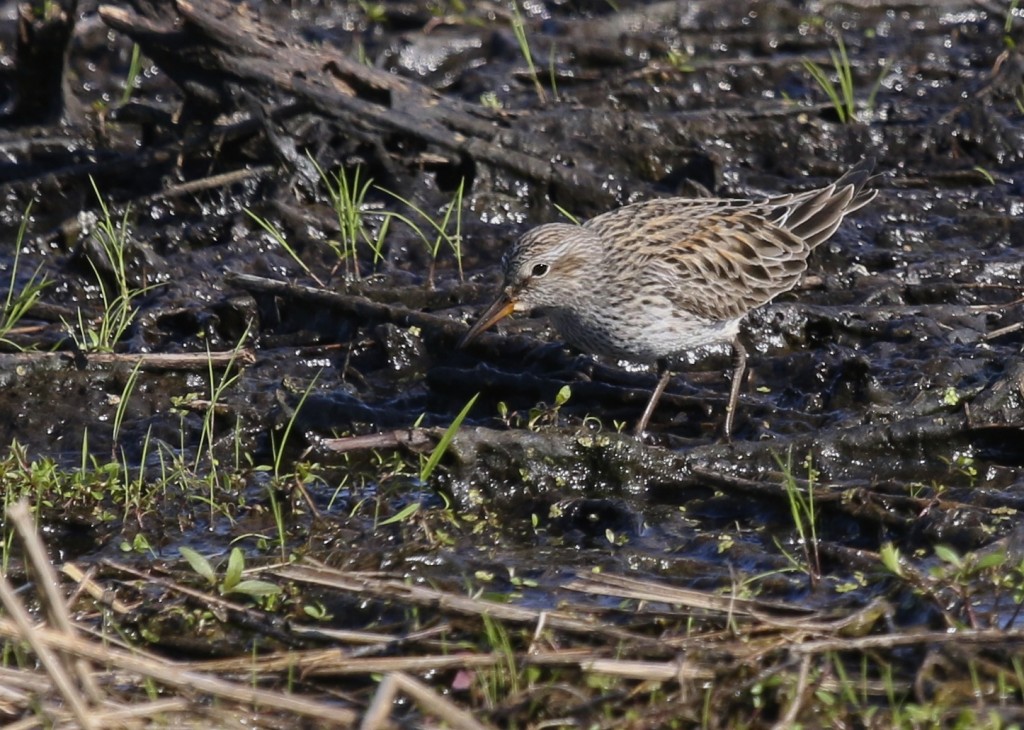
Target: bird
<point>651,280</point>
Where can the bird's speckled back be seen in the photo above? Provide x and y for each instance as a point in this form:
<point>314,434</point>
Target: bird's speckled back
<point>652,279</point>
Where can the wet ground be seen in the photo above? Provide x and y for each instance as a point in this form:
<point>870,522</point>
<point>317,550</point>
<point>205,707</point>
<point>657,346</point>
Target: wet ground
<point>890,382</point>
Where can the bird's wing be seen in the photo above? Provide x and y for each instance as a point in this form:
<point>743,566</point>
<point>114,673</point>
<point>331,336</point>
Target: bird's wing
<point>717,258</point>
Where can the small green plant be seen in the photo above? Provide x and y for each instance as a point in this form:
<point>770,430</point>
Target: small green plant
<point>278,447</point>
<point>207,436</point>
<point>572,219</point>
<point>134,489</point>
<point>969,590</point>
<point>840,95</point>
<point>873,94</point>
<point>375,13</point>
<point>804,513</point>
<point>231,581</point>
<point>429,464</point>
<point>401,516</point>
<point>442,234</point>
<point>975,578</point>
<point>503,680</point>
<point>427,467</point>
<point>15,462</point>
<point>134,70</point>
<point>317,611</point>
<point>299,477</point>
<point>985,174</point>
<point>45,10</point>
<point>553,72</point>
<point>118,298</point>
<point>122,405</point>
<point>548,415</point>
<point>519,29</point>
<point>275,233</point>
<point>348,198</point>
<point>19,302</point>
<point>963,465</point>
<point>490,100</point>
<point>139,544</point>
<point>679,60</point>
<point>892,559</point>
<point>1008,26</point>
<point>511,419</point>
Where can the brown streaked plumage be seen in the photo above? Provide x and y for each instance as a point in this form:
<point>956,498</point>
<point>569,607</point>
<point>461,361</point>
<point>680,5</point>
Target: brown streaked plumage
<point>650,280</point>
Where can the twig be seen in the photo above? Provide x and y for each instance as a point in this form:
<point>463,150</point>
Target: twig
<point>47,581</point>
<point>359,306</point>
<point>43,641</point>
<point>792,712</point>
<point>149,361</point>
<point>643,590</point>
<point>176,675</point>
<point>409,438</point>
<point>433,703</point>
<point>311,572</point>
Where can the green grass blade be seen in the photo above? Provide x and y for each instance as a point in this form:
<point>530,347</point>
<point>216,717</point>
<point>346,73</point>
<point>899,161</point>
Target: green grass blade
<point>446,439</point>
<point>407,512</point>
<point>826,85</point>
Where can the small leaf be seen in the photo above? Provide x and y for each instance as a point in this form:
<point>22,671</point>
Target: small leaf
<point>891,558</point>
<point>992,560</point>
<point>236,564</point>
<point>948,555</point>
<point>564,393</point>
<point>199,564</point>
<point>318,612</point>
<point>254,588</point>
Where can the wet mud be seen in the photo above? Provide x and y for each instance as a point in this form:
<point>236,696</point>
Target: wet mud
<point>890,383</point>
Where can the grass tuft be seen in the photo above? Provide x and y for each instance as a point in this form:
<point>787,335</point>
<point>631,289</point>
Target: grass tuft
<point>452,217</point>
<point>118,297</point>
<point>19,302</point>
<point>347,193</point>
<point>519,29</point>
<point>804,513</point>
<point>279,237</point>
<point>839,92</point>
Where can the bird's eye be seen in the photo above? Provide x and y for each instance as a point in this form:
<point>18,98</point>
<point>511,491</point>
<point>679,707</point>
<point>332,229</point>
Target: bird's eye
<point>539,270</point>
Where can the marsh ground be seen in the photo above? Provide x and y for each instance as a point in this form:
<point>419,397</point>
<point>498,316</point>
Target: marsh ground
<point>853,557</point>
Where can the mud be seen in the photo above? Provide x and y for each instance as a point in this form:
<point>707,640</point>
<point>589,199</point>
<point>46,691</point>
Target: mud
<point>895,370</point>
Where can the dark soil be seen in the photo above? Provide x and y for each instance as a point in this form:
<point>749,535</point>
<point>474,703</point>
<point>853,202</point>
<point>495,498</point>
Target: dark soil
<point>891,383</point>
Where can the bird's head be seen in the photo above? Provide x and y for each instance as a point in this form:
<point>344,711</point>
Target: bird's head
<point>544,268</point>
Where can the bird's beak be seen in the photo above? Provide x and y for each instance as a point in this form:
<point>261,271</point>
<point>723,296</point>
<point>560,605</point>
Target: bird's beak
<point>503,306</point>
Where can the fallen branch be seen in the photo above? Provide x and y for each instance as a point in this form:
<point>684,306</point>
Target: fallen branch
<point>210,47</point>
<point>148,361</point>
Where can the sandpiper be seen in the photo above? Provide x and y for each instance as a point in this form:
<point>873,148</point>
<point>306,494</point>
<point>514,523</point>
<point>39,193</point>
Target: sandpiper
<point>651,280</point>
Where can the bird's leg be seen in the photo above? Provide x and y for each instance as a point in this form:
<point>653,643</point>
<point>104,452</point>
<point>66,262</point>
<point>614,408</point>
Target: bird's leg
<point>740,358</point>
<point>666,375</point>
